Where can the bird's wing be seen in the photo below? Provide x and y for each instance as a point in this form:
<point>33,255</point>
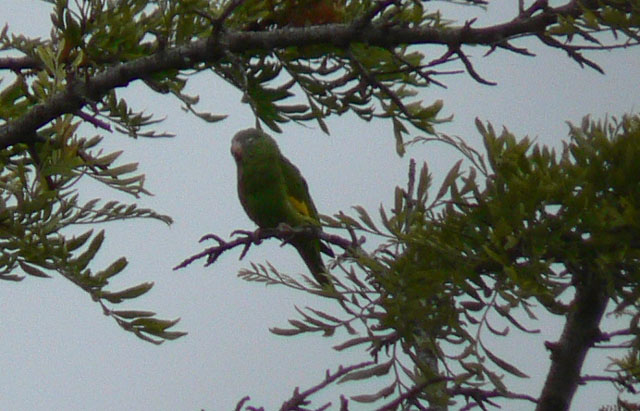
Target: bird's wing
<point>298,191</point>
<point>299,197</point>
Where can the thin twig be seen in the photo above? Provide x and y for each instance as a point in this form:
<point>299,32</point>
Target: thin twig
<point>409,395</point>
<point>601,378</point>
<point>571,52</point>
<point>218,23</point>
<point>538,5</point>
<point>368,16</point>
<point>93,120</point>
<point>479,396</point>
<point>300,398</point>
<point>373,81</point>
<point>471,70</point>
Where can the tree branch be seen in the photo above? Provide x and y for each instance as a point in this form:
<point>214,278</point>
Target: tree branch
<point>79,93</point>
<point>19,63</point>
<point>250,238</point>
<point>614,380</point>
<point>480,396</point>
<point>581,332</point>
<point>299,399</point>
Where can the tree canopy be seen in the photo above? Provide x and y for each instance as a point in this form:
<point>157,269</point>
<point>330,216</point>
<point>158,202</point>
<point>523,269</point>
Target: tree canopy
<point>524,230</point>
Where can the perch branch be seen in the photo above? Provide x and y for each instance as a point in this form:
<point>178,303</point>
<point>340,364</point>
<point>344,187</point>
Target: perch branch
<point>248,238</point>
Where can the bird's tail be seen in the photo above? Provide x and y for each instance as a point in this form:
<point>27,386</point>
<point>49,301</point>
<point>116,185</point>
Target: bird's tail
<point>310,253</point>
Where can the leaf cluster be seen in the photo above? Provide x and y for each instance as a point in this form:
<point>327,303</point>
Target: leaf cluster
<point>312,82</point>
<point>41,204</point>
<point>483,257</point>
<point>40,209</point>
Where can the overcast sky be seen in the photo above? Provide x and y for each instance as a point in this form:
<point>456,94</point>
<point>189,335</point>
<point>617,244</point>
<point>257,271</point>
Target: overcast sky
<point>60,352</point>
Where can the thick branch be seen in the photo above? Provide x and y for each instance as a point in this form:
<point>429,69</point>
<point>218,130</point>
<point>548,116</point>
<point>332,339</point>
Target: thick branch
<point>79,93</point>
<point>19,63</point>
<point>580,332</point>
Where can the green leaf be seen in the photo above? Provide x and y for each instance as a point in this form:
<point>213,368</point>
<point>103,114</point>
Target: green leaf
<point>130,314</point>
<point>449,180</point>
<point>364,217</point>
<point>115,268</point>
<point>374,371</point>
<point>107,159</point>
<point>31,270</point>
<point>83,259</point>
<point>210,117</point>
<point>424,182</point>
<point>369,398</point>
<point>286,331</point>
<point>153,325</point>
<point>398,130</point>
<point>127,294</point>
<point>505,365</point>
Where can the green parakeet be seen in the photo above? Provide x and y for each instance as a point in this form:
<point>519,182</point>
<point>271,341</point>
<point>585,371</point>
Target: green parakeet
<point>273,192</point>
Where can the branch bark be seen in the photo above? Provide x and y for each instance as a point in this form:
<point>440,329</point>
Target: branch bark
<point>580,332</point>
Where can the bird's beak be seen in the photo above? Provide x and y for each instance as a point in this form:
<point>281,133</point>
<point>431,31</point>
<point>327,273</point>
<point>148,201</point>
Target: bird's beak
<point>236,149</point>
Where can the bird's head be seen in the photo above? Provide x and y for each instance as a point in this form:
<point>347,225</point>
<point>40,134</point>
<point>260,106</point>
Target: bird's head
<point>248,141</point>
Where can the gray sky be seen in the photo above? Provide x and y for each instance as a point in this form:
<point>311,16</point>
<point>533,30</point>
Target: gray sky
<point>60,352</point>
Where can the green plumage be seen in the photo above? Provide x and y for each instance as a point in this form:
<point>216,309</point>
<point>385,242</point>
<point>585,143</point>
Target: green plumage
<point>272,192</point>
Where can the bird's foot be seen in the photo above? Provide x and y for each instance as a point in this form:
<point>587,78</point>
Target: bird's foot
<point>286,232</point>
<point>255,236</point>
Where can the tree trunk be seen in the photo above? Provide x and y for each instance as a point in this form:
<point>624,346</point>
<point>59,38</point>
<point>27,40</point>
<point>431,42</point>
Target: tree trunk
<point>580,332</point>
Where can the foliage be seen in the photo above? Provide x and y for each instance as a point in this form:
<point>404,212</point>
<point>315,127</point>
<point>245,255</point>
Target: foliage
<point>39,204</point>
<point>526,237</point>
<point>535,230</point>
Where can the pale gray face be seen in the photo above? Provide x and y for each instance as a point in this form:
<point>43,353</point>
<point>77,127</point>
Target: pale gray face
<point>241,140</point>
<point>244,140</point>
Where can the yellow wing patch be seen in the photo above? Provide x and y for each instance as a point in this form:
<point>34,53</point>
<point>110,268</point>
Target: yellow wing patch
<point>300,206</point>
